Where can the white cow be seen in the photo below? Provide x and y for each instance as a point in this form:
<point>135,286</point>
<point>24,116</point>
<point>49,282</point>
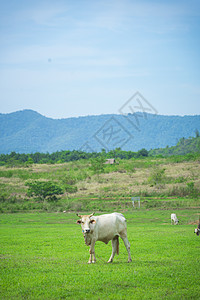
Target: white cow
<point>197,230</point>
<point>104,228</point>
<point>174,219</point>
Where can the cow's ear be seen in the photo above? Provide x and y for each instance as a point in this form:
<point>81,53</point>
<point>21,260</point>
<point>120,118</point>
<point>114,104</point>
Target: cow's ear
<point>78,222</point>
<point>92,221</point>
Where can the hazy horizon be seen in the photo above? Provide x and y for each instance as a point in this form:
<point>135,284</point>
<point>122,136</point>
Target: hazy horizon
<point>82,116</point>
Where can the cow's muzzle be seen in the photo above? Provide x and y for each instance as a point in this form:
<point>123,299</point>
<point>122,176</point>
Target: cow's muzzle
<point>87,230</point>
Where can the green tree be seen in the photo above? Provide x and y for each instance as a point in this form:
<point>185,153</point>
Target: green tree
<point>142,152</point>
<point>97,165</point>
<point>197,133</point>
<point>44,190</point>
<point>29,161</point>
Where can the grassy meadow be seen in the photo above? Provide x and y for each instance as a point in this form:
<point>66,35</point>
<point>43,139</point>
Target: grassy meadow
<point>43,256</point>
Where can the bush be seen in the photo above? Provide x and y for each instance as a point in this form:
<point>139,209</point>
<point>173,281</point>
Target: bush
<point>98,165</point>
<point>69,180</point>
<point>157,176</point>
<point>178,191</point>
<point>183,191</point>
<point>3,196</point>
<point>81,175</point>
<point>7,174</point>
<point>192,191</point>
<point>70,189</point>
<point>180,179</point>
<point>44,190</point>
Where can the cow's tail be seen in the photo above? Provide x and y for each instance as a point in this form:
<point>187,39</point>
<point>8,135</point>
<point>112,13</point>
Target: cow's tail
<point>117,245</point>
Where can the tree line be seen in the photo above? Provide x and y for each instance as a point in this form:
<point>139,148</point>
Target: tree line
<point>66,156</point>
<point>183,147</point>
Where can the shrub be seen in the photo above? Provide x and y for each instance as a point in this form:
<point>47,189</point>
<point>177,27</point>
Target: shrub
<point>180,179</point>
<point>69,180</point>
<point>97,165</point>
<point>157,176</point>
<point>3,196</point>
<point>129,167</point>
<point>183,191</point>
<point>44,190</point>
<point>6,174</point>
<point>178,191</point>
<point>70,189</point>
<point>81,175</point>
<point>192,191</point>
<point>29,162</point>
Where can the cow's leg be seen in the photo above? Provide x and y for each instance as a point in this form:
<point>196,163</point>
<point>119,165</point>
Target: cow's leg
<point>115,242</point>
<point>94,257</point>
<point>92,253</point>
<point>127,245</point>
<point>90,259</point>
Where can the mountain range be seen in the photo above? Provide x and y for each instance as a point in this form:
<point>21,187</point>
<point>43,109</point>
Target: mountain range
<point>27,131</point>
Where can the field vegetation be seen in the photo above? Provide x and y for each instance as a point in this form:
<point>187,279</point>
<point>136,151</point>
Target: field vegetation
<point>87,184</point>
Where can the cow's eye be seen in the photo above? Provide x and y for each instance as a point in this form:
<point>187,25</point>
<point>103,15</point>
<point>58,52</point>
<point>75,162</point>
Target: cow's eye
<point>82,222</point>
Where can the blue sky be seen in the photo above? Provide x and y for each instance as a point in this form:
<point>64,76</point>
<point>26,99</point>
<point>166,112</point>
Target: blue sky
<point>74,58</point>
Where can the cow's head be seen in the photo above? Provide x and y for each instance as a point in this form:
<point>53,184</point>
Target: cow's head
<point>197,231</point>
<point>87,223</point>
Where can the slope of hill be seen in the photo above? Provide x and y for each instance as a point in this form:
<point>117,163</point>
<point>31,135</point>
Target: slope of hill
<point>183,147</point>
<point>28,131</point>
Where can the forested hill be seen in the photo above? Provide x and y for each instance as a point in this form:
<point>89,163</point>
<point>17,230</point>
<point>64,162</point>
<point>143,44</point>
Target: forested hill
<point>184,146</point>
<point>28,131</point>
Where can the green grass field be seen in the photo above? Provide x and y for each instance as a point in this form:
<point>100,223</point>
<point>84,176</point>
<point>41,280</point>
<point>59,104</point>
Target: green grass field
<point>43,256</point>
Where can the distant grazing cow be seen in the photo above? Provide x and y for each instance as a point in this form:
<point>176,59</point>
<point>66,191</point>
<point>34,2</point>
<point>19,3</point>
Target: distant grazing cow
<point>174,219</point>
<point>197,230</point>
<point>104,228</point>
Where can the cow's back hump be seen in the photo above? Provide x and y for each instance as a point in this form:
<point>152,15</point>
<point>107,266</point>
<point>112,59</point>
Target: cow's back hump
<point>115,216</point>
